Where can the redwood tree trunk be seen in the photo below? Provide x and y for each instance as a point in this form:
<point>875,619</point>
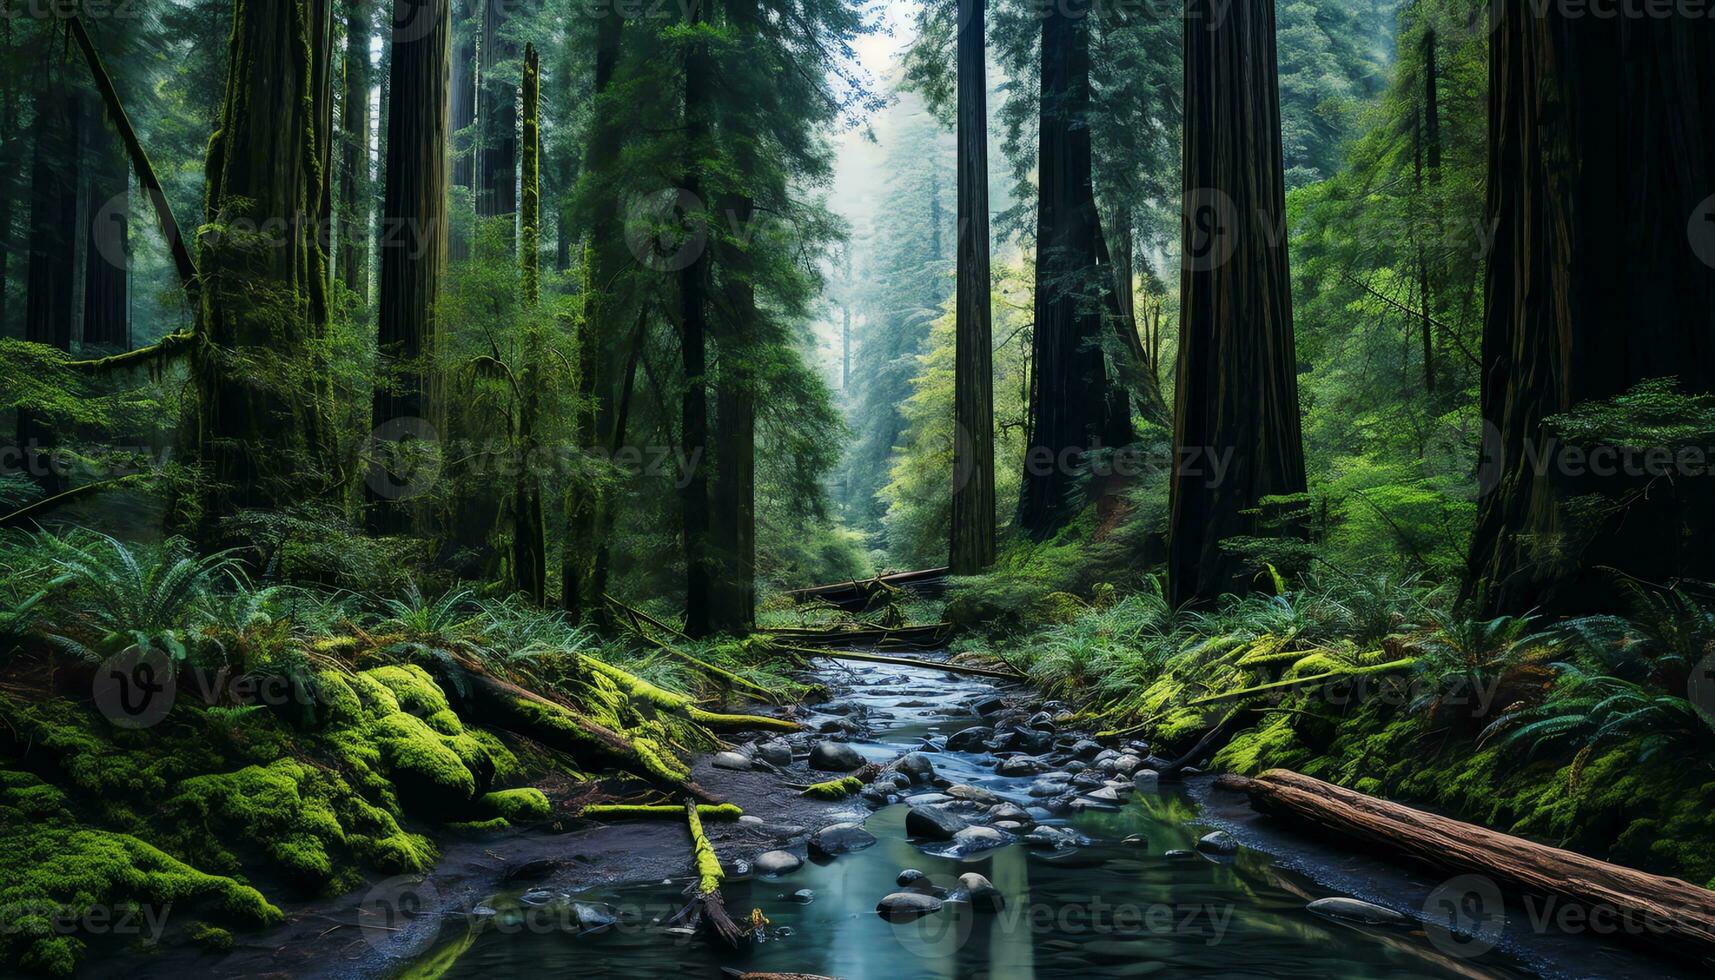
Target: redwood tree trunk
<point>1071,408</point>
<point>590,511</point>
<point>50,297</point>
<point>733,534</point>
<point>1601,150</point>
<point>463,110</point>
<point>413,246</point>
<point>497,116</point>
<point>971,548</point>
<point>1237,392</point>
<point>529,535</point>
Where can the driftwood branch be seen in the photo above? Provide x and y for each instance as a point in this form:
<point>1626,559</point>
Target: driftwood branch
<point>1668,913</point>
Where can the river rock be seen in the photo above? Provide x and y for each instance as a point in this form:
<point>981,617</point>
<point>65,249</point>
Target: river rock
<point>1041,721</point>
<point>1127,764</point>
<point>910,877</point>
<point>877,795</point>
<point>775,753</point>
<point>1220,843</point>
<point>592,917</point>
<point>1089,779</point>
<point>1043,787</point>
<point>539,896</point>
<point>1085,748</point>
<point>928,799</point>
<point>1008,811</point>
<point>993,704</point>
<point>905,906</point>
<point>973,839</point>
<point>1355,910</point>
<point>838,726</point>
<point>1010,826</point>
<point>933,822</point>
<point>1051,837</point>
<point>1178,852</point>
<point>1103,756</point>
<point>1107,794</point>
<point>969,739</point>
<point>976,794</point>
<point>840,838</point>
<point>731,760</point>
<point>803,896</point>
<point>983,894</point>
<point>776,863</point>
<point>1146,780</point>
<point>916,766</point>
<point>835,757</point>
<point>1019,765</point>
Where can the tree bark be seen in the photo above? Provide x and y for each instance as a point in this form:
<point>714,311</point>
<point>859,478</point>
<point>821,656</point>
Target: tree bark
<point>354,153</point>
<point>1601,150</point>
<point>413,248</point>
<point>1237,391</point>
<point>733,531</point>
<point>1071,410</point>
<point>971,548</point>
<point>106,277</point>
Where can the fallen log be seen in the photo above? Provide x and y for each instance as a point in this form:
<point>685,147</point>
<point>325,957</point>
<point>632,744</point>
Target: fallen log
<point>624,811</point>
<point>927,636</point>
<point>1275,687</point>
<point>876,658</point>
<point>731,680</point>
<point>1666,912</point>
<point>662,699</point>
<point>501,704</point>
<point>706,901</point>
<point>860,593</point>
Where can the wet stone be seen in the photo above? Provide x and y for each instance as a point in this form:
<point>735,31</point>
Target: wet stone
<point>835,757</point>
<point>905,906</point>
<point>776,863</point>
<point>1220,843</point>
<point>731,760</point>
<point>840,838</point>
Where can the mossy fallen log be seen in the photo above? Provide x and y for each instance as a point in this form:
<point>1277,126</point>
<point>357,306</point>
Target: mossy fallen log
<point>639,618</point>
<point>662,699</point>
<point>1292,684</point>
<point>706,901</point>
<point>502,704</point>
<point>1666,913</point>
<point>627,811</point>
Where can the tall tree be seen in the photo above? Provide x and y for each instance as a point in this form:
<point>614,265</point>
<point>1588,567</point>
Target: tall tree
<point>529,535</point>
<point>106,260</point>
<point>353,265</point>
<point>413,245</point>
<point>1236,426</point>
<point>50,300</point>
<point>589,509</point>
<point>693,336</point>
<point>496,173</point>
<point>1071,408</point>
<point>1601,149</point>
<point>463,111</point>
<point>972,546</point>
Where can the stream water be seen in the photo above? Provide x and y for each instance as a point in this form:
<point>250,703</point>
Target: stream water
<point>1112,908</point>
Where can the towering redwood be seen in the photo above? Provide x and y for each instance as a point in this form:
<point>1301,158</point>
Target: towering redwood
<point>1070,405</point>
<point>496,173</point>
<point>1601,150</point>
<point>1237,392</point>
<point>589,511</point>
<point>414,243</point>
<point>972,546</point>
<point>106,293</point>
<point>529,535</point>
<point>353,264</point>
<point>693,339</point>
<point>463,109</point>
<point>264,404</point>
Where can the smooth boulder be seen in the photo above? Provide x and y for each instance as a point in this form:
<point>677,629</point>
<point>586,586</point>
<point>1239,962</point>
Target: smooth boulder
<point>835,757</point>
<point>776,863</point>
<point>933,822</point>
<point>905,906</point>
<point>840,838</point>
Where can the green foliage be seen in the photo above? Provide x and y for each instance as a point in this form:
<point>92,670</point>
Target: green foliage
<point>120,596</point>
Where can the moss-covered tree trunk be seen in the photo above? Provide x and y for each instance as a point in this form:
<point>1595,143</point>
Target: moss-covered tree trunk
<point>262,435</point>
<point>590,512</point>
<point>693,341</point>
<point>354,190</point>
<point>971,548</point>
<point>1070,404</point>
<point>1601,156</point>
<point>1236,431</point>
<point>529,534</point>
<point>413,247</point>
